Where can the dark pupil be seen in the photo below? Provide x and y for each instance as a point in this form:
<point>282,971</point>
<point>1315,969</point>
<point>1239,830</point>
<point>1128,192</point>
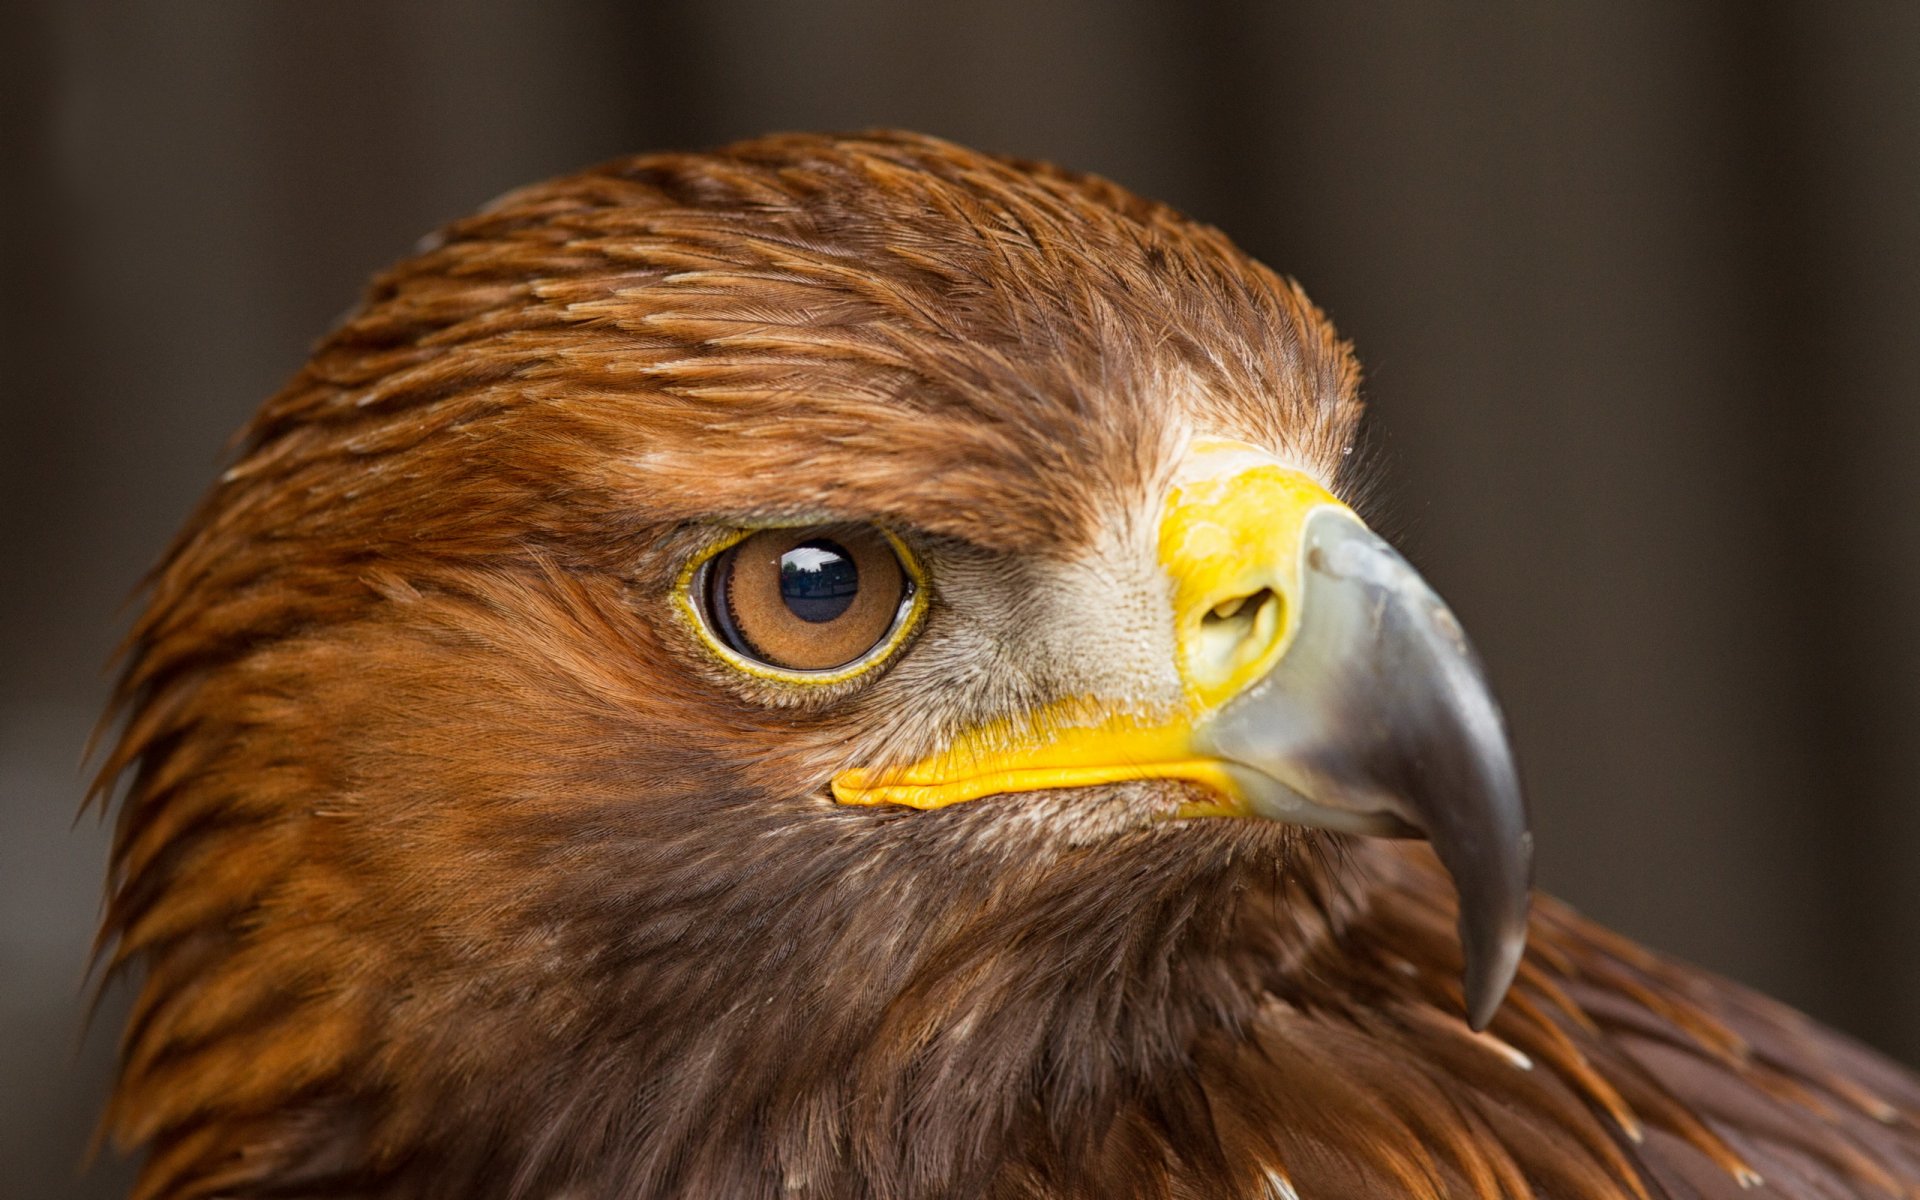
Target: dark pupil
<point>818,580</point>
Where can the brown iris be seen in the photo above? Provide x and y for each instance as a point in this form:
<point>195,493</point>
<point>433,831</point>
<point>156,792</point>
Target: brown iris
<point>807,599</point>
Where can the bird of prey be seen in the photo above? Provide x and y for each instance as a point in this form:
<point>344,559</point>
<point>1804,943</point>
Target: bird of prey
<point>846,667</point>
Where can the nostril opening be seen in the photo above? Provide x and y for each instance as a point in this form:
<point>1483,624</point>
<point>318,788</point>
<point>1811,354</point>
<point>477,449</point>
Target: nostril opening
<point>1239,608</point>
<point>1233,633</point>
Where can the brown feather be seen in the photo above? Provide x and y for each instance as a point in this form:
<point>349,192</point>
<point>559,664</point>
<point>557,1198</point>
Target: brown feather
<point>452,865</point>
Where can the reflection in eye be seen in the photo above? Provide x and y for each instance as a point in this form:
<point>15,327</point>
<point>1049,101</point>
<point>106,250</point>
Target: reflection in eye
<point>818,580</point>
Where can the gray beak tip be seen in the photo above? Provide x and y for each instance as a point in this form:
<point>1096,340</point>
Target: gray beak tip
<point>1490,969</point>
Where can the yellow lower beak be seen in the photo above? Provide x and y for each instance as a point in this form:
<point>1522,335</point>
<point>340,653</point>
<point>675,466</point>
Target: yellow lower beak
<point>1053,749</point>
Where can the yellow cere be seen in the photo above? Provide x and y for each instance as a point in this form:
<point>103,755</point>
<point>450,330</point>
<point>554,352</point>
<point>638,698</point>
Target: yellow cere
<point>1230,541</point>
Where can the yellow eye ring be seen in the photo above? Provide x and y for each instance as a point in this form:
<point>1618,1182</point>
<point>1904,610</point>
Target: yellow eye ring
<point>695,588</point>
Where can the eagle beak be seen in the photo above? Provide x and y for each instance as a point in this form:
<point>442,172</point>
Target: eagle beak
<point>1324,684</point>
<point>1378,720</point>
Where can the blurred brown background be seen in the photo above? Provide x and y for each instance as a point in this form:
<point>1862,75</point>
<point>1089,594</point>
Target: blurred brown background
<point>1638,287</point>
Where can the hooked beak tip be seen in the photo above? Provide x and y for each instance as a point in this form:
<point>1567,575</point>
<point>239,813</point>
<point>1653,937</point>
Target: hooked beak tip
<point>1378,720</point>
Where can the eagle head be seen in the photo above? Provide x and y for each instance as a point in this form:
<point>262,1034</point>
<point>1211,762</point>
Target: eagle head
<point>838,666</point>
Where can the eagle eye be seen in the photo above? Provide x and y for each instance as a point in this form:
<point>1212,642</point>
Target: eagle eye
<point>816,603</point>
